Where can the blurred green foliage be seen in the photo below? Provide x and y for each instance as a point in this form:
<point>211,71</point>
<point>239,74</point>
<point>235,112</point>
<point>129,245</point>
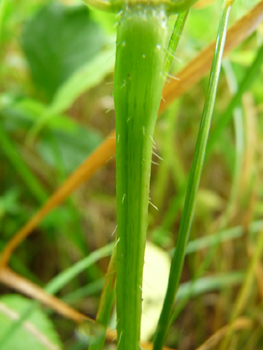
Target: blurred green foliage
<point>57,41</point>
<point>55,63</point>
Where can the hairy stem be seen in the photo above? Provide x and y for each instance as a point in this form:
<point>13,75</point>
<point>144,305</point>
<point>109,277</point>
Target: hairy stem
<point>140,59</point>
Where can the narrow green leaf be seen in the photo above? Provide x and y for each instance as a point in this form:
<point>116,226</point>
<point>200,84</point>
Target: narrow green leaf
<point>67,275</point>
<point>12,153</point>
<point>208,284</point>
<point>222,236</point>
<point>175,37</point>
<point>193,184</point>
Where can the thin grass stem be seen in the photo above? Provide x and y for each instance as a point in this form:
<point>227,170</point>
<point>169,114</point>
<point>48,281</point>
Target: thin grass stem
<point>194,179</point>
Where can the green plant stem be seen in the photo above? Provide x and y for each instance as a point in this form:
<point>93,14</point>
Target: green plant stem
<point>194,179</point>
<point>108,293</point>
<point>109,288</point>
<point>139,71</point>
<point>106,301</point>
<point>239,137</point>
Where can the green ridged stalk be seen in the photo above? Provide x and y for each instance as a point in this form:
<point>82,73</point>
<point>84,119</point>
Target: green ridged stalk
<point>139,72</point>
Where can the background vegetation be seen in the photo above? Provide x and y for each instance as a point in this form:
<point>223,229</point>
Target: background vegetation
<point>56,107</point>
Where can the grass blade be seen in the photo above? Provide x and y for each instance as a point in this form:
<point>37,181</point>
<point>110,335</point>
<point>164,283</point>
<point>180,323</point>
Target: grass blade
<point>63,278</point>
<point>194,178</point>
<point>174,39</point>
<point>12,153</point>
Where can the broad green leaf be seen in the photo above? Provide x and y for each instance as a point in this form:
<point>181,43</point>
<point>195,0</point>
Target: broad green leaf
<point>36,332</point>
<point>86,77</point>
<point>57,41</point>
<point>83,79</point>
